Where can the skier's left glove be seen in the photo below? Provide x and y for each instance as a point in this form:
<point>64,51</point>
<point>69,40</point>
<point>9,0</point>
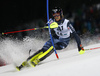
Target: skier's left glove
<point>82,50</point>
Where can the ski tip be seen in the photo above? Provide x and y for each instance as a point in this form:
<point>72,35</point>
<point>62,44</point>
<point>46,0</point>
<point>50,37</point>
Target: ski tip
<point>17,68</point>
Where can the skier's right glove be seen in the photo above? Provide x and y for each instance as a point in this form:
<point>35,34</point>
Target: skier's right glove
<point>82,50</point>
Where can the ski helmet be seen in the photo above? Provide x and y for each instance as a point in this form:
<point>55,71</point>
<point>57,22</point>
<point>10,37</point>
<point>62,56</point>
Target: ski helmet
<point>57,10</point>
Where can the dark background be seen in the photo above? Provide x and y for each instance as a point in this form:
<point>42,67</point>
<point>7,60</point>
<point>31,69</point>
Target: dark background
<point>15,13</point>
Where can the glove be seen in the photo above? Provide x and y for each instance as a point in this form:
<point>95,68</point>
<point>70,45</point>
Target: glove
<point>81,51</point>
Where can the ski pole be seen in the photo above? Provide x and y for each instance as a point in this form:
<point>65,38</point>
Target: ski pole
<point>50,30</point>
<point>93,48</point>
<point>53,25</point>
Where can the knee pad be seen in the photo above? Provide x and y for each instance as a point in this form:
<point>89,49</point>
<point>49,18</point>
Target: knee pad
<point>60,46</point>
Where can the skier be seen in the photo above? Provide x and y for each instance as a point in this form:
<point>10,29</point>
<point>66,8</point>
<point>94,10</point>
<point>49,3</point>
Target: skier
<point>61,38</point>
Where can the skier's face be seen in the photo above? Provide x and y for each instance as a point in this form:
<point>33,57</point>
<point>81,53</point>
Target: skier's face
<point>56,16</point>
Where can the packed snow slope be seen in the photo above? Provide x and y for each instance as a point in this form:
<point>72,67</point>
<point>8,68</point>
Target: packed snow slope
<point>70,62</point>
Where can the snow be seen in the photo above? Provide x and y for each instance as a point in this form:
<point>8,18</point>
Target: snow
<point>70,63</point>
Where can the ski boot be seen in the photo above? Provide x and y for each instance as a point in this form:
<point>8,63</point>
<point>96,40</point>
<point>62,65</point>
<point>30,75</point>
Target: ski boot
<point>34,63</point>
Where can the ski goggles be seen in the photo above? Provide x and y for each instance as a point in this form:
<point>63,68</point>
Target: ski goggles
<point>56,14</point>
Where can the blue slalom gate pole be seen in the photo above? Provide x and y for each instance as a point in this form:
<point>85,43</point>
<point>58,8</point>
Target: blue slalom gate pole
<point>50,30</point>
